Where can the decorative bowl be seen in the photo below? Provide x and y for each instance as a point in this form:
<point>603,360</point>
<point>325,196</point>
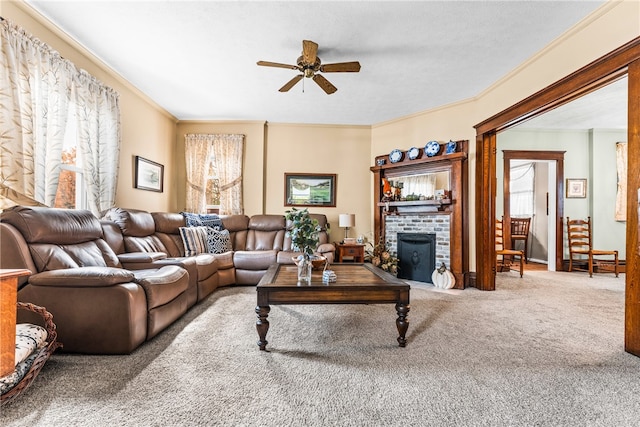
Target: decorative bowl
<point>318,262</point>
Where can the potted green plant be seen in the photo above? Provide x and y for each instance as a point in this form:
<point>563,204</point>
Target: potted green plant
<point>304,234</point>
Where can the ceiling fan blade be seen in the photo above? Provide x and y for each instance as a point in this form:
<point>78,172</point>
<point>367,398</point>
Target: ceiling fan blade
<point>276,64</point>
<point>341,67</point>
<point>324,84</point>
<point>309,51</point>
<point>291,83</point>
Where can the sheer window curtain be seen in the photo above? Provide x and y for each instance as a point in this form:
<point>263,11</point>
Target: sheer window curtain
<point>198,150</point>
<point>621,194</point>
<point>38,89</point>
<point>227,151</point>
<point>98,115</point>
<point>34,107</point>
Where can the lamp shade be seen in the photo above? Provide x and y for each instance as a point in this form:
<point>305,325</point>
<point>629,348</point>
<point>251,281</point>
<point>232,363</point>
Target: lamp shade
<point>347,220</point>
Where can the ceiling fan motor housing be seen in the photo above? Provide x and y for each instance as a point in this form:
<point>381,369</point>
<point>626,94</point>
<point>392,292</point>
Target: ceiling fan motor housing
<point>308,69</point>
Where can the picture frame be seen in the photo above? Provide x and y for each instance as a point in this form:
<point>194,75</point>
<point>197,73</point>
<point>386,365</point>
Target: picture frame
<point>148,175</point>
<point>576,188</point>
<point>310,189</point>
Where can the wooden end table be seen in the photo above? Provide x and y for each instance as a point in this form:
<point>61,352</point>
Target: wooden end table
<point>350,250</point>
<point>356,284</point>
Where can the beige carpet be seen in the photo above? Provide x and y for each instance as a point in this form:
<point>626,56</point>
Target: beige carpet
<point>546,350</point>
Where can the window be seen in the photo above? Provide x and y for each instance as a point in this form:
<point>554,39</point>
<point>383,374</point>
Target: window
<point>71,193</point>
<point>213,188</point>
<point>522,178</point>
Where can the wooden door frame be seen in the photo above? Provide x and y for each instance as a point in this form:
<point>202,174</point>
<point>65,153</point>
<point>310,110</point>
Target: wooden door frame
<point>622,61</point>
<point>558,157</point>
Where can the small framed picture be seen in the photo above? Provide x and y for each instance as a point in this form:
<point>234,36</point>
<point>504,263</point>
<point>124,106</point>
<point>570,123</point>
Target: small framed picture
<point>148,175</point>
<point>576,188</point>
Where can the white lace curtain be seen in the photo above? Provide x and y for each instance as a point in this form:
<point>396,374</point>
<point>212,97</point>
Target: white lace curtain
<point>226,150</point>
<point>39,88</point>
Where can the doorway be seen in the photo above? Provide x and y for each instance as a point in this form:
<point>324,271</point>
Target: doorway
<point>554,203</point>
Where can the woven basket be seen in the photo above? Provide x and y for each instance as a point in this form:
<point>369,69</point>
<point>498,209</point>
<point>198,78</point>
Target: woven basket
<point>43,354</point>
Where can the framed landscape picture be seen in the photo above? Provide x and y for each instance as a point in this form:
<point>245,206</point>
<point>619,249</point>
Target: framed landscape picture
<point>148,175</point>
<point>310,189</point>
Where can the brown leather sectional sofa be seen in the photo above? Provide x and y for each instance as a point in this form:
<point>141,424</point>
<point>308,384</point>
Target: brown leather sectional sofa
<point>114,283</point>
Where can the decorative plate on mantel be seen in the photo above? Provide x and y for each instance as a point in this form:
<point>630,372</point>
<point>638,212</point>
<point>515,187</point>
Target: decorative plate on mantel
<point>413,153</point>
<point>432,148</point>
<point>395,156</point>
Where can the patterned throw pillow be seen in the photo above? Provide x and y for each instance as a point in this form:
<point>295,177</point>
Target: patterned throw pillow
<point>194,240</point>
<point>208,220</point>
<point>219,241</point>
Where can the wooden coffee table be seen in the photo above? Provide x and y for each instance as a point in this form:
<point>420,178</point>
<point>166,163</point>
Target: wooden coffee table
<point>356,284</point>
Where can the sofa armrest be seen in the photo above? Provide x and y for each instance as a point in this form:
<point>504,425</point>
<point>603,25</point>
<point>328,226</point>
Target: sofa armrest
<point>325,247</point>
<point>142,257</point>
<point>82,277</point>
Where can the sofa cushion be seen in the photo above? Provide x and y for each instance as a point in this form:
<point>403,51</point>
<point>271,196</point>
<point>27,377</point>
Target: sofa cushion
<point>224,261</point>
<point>84,277</point>
<point>254,260</point>
<point>219,241</point>
<point>208,220</point>
<point>50,225</point>
<point>163,285</point>
<point>132,222</point>
<point>194,240</point>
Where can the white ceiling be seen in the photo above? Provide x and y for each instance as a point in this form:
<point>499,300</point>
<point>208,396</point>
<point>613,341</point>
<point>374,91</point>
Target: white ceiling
<point>197,59</point>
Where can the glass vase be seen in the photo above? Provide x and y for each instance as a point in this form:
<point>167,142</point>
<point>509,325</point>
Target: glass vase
<point>304,271</point>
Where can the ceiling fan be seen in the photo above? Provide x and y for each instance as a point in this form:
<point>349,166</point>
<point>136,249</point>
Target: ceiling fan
<point>309,65</point>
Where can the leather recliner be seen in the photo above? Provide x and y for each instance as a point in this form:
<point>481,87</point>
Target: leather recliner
<point>98,306</point>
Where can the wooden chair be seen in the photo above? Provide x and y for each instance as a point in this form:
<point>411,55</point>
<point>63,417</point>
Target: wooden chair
<point>581,246</point>
<point>504,256</point>
<point>520,232</point>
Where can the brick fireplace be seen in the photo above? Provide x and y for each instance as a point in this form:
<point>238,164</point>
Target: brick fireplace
<point>437,224</point>
<point>443,213</point>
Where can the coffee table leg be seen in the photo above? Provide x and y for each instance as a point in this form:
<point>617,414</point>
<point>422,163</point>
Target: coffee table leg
<point>262,325</point>
<point>402,323</point>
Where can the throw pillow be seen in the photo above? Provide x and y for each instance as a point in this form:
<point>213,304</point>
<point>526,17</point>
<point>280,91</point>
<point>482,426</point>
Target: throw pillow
<point>194,240</point>
<point>219,241</point>
<point>208,220</point>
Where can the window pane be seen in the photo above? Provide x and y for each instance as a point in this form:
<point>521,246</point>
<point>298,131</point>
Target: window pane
<point>66,193</point>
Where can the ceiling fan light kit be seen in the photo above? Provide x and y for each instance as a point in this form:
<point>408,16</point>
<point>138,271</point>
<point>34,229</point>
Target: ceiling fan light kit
<point>310,65</point>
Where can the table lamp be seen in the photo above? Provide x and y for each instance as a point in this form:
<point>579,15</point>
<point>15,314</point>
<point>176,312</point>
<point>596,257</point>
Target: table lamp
<point>346,221</point>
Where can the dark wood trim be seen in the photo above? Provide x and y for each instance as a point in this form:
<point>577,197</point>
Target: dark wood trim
<point>622,61</point>
<point>632,293</point>
<point>558,157</point>
<point>485,211</point>
<point>592,76</point>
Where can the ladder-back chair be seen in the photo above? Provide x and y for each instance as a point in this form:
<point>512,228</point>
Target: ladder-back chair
<point>581,248</point>
<point>520,232</point>
<point>504,256</point>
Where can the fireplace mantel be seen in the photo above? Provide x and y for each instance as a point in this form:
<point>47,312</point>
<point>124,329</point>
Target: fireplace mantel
<point>453,203</point>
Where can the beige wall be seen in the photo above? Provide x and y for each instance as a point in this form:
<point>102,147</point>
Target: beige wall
<point>341,150</point>
<point>147,130</point>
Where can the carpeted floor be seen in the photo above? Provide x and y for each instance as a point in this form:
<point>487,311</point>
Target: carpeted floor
<point>545,350</point>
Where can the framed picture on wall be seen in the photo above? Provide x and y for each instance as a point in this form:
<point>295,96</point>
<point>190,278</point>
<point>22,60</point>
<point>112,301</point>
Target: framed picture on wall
<point>148,175</point>
<point>576,188</point>
<point>309,189</point>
